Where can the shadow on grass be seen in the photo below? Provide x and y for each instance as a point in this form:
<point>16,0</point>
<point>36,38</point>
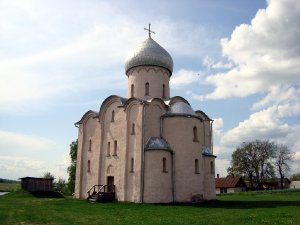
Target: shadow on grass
<point>238,204</point>
<point>46,194</point>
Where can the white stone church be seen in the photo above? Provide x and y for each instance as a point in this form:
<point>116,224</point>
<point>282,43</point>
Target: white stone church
<point>148,146</point>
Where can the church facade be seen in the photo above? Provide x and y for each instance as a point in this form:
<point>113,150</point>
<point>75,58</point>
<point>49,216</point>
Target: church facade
<point>154,148</point>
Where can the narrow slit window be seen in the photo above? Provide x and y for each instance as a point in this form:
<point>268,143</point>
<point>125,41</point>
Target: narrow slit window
<point>164,160</point>
<point>132,91</point>
<point>197,166</point>
<point>195,134</point>
<point>132,165</point>
<point>147,88</point>
<point>164,91</point>
<point>212,169</point>
<point>89,166</point>
<point>108,149</point>
<point>133,129</point>
<point>115,148</point>
<point>90,145</point>
<point>113,116</point>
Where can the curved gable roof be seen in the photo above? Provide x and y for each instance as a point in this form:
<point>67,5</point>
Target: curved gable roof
<point>86,115</point>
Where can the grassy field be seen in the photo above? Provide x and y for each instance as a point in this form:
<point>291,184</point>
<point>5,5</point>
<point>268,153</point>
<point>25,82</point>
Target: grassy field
<point>245,208</point>
<point>5,187</point>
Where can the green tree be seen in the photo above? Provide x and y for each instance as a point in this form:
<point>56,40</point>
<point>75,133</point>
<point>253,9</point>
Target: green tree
<point>283,157</point>
<point>241,163</point>
<point>295,177</point>
<point>48,175</point>
<point>252,160</point>
<point>61,186</point>
<point>72,167</point>
<point>265,151</point>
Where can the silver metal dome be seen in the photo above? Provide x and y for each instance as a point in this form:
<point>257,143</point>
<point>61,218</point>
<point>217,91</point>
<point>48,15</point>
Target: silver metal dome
<point>149,53</point>
<point>181,108</point>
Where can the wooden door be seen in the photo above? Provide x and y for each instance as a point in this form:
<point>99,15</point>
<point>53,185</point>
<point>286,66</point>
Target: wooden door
<point>110,184</point>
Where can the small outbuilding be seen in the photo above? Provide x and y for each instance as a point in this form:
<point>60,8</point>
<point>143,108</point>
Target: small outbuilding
<point>275,183</point>
<point>295,185</point>
<point>36,184</point>
<point>230,185</point>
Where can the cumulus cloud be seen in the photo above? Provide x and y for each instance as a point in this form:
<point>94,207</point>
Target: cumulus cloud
<point>185,77</point>
<point>265,57</point>
<point>265,53</point>
<point>265,124</point>
<point>209,63</point>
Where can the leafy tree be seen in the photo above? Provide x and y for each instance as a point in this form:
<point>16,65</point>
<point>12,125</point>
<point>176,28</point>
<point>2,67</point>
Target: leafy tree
<point>266,151</point>
<point>282,159</point>
<point>241,162</point>
<point>72,167</point>
<point>252,160</point>
<point>61,186</point>
<point>48,175</point>
<point>295,176</point>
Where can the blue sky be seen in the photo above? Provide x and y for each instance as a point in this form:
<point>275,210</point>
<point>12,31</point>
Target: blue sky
<point>238,61</point>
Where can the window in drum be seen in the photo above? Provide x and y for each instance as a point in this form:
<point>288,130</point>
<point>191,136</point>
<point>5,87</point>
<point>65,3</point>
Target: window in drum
<point>147,89</point>
<point>132,91</point>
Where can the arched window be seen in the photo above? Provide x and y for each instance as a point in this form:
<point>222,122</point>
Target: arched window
<point>108,149</point>
<point>147,88</point>
<point>113,116</point>
<point>115,148</point>
<point>164,91</point>
<point>133,129</point>
<point>89,166</point>
<point>90,145</point>
<point>132,91</point>
<point>212,168</point>
<point>197,166</point>
<point>132,165</point>
<point>195,134</point>
<point>164,165</point>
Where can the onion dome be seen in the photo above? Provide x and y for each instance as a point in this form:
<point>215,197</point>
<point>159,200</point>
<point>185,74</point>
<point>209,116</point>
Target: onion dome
<point>149,53</point>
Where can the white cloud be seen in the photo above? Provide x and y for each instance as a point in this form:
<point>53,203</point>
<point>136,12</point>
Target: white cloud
<point>265,124</point>
<point>278,95</point>
<point>185,77</point>
<point>211,64</point>
<point>14,167</point>
<point>266,53</point>
<point>221,167</point>
<point>60,57</point>
<point>22,141</point>
<point>217,134</point>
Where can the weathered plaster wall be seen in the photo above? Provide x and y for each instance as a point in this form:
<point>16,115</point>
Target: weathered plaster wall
<point>158,183</point>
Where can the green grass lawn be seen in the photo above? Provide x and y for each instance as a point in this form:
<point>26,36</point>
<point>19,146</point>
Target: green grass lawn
<point>6,187</point>
<point>245,208</point>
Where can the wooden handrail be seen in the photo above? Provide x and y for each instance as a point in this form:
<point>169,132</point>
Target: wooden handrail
<point>94,189</point>
<point>99,188</point>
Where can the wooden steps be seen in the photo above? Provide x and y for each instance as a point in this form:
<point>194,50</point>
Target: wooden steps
<point>101,193</point>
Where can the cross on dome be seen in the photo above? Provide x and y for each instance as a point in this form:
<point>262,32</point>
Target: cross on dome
<point>150,31</point>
